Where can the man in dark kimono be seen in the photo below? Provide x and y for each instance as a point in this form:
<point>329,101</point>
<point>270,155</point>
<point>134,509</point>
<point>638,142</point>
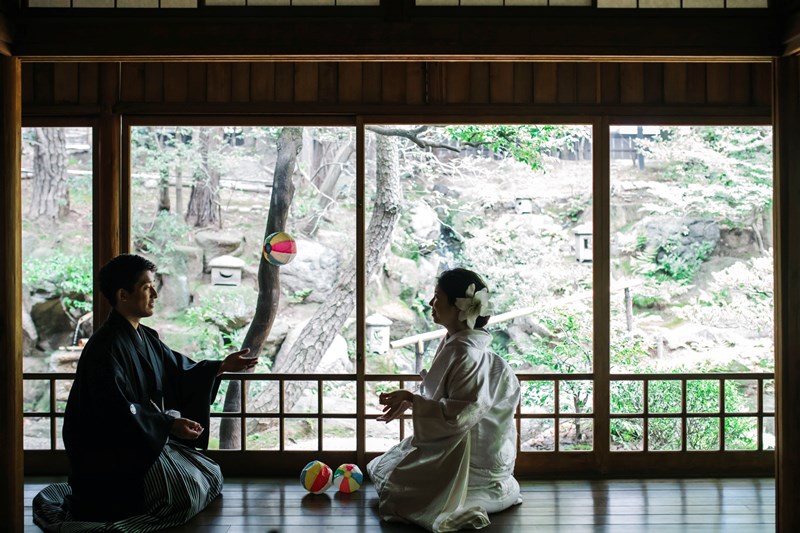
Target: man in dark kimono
<point>136,413</point>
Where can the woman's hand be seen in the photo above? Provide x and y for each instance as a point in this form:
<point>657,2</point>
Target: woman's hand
<point>237,362</point>
<point>395,404</point>
<point>183,428</point>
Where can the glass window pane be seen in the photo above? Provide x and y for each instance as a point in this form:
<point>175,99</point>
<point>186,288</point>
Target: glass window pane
<point>35,433</point>
<point>664,396</point>
<point>702,434</point>
<point>702,396</point>
<point>741,396</point>
<point>664,434</point>
<point>338,434</point>
<point>35,396</point>
<point>691,249</point>
<point>741,433</point>
<point>537,435</point>
<point>769,395</point>
<point>575,397</point>
<point>627,397</point>
<point>56,248</point>
<point>627,434</point>
<point>381,435</point>
<point>201,205</point>
<point>537,396</point>
<point>768,433</point>
<point>495,199</point>
<point>576,434</point>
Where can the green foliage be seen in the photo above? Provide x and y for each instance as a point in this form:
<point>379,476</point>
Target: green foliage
<point>66,276</point>
<point>160,239</point>
<point>525,143</point>
<point>669,260</point>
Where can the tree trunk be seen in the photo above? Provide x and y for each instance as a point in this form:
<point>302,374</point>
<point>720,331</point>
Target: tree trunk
<point>290,142</point>
<point>163,189</point>
<point>50,195</point>
<point>327,189</point>
<point>204,205</point>
<point>318,333</point>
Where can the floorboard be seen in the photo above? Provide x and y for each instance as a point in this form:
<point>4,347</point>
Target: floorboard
<point>573,506</point>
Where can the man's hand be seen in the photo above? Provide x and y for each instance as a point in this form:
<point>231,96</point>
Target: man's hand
<point>395,404</point>
<point>183,428</point>
<point>238,362</point>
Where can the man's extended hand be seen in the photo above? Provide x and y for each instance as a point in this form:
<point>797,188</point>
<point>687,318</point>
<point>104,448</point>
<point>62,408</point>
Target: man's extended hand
<point>238,362</point>
<point>183,428</point>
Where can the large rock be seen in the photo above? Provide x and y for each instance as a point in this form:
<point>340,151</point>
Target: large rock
<point>216,243</point>
<point>30,337</point>
<point>315,268</point>
<point>685,235</point>
<point>53,323</point>
<point>174,293</point>
<point>424,223</point>
<point>189,260</point>
<point>738,242</point>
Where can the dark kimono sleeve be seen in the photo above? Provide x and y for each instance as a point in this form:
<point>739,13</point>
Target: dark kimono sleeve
<point>190,387</point>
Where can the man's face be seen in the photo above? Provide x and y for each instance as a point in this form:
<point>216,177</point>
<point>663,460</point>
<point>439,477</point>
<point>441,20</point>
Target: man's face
<point>141,301</point>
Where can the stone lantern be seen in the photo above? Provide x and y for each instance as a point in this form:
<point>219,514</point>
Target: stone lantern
<point>378,327</point>
<point>583,243</point>
<point>226,270</point>
<point>524,206</point>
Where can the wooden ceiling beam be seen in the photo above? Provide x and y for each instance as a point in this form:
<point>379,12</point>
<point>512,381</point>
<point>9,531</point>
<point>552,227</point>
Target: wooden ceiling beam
<point>585,34</point>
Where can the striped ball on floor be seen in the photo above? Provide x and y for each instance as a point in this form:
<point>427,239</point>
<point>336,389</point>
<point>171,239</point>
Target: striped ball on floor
<point>316,477</point>
<point>348,478</point>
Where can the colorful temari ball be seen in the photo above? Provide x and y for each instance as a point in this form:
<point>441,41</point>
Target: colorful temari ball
<point>348,478</point>
<point>316,477</point>
<point>279,248</point>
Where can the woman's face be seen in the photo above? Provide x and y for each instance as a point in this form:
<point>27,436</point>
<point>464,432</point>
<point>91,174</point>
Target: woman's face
<point>442,311</point>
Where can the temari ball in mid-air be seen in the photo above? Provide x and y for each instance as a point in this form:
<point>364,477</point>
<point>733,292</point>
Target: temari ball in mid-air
<point>316,477</point>
<point>348,478</point>
<point>279,248</point>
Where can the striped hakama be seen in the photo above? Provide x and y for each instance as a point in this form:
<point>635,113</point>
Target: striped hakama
<point>180,484</point>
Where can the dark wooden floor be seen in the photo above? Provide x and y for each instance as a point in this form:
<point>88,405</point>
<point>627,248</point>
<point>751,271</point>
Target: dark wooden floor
<point>615,506</point>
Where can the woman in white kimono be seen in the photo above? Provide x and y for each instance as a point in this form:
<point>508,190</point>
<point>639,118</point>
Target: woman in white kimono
<point>458,466</point>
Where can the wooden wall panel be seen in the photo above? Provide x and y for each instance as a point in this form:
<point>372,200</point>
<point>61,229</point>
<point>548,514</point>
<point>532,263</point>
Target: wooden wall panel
<point>609,83</point>
<point>240,82</point>
<point>350,84</point>
<point>631,83</point>
<point>653,83</point>
<point>587,75</point>
<point>479,83</point>
<point>218,84</point>
<point>262,82</point>
<point>197,82</point>
<point>306,82</point>
<point>88,80</point>
<point>43,83</point>
<point>176,82</point>
<point>696,83</point>
<point>545,83</point>
<point>718,83</point>
<point>154,83</point>
<point>523,83</point>
<point>457,83</point>
<point>551,84</point>
<point>675,75</point>
<point>328,82</point>
<point>761,83</point>
<point>567,88</point>
<point>371,82</point>
<point>415,83</point>
<point>65,83</point>
<point>132,88</point>
<point>501,83</point>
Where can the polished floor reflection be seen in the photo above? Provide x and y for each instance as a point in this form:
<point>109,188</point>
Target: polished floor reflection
<point>574,506</point>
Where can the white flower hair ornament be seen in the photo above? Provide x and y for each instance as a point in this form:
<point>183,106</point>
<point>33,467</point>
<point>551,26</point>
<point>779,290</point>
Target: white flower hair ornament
<point>475,304</point>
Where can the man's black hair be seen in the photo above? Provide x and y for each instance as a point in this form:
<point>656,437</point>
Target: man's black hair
<point>122,272</point>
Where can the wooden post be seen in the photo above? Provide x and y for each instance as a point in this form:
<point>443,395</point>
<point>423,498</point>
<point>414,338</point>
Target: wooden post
<point>601,279</point>
<point>11,460</point>
<point>419,352</point>
<point>106,201</point>
<point>628,309</point>
<point>786,120</point>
